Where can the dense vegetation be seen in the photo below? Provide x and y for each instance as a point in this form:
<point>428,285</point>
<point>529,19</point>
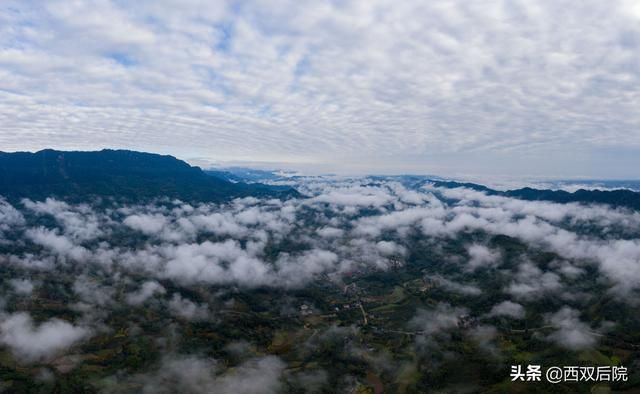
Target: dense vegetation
<point>362,286</point>
<point>120,174</point>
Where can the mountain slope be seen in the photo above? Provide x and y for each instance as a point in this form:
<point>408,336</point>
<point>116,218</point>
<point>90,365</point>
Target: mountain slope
<point>119,174</point>
<point>616,198</point>
<point>241,174</point>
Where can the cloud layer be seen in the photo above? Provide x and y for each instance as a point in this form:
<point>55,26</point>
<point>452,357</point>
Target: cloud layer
<point>352,86</point>
<point>232,295</point>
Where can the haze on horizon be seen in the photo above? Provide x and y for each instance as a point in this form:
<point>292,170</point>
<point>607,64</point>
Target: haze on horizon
<point>516,88</point>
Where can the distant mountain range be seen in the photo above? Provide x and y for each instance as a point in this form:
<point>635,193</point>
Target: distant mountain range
<point>130,175</point>
<point>242,174</point>
<point>119,174</point>
<point>616,198</point>
<point>622,197</point>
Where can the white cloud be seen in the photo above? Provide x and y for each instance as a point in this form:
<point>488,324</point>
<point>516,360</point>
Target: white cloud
<point>354,196</point>
<point>147,290</point>
<point>92,292</point>
<point>456,287</point>
<point>349,86</point>
<point>509,309</point>
<point>191,374</point>
<point>78,222</point>
<point>441,319</point>
<point>294,271</point>
<point>147,224</point>
<point>33,342</point>
<point>202,263</point>
<point>390,248</point>
<point>9,216</point>
<point>22,286</point>
<point>59,244</point>
<point>481,256</point>
<point>330,232</point>
<point>187,309</point>
<point>531,282</point>
<point>571,332</point>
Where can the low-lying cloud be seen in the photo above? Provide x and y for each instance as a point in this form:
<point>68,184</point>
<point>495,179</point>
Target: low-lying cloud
<point>32,342</point>
<point>177,256</point>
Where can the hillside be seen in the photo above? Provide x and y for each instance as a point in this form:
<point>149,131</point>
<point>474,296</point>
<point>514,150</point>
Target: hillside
<point>119,174</point>
<point>616,198</point>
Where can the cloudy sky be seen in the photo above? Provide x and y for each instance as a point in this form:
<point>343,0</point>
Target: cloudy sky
<point>520,88</point>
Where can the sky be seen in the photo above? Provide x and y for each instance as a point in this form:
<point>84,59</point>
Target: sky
<point>513,88</point>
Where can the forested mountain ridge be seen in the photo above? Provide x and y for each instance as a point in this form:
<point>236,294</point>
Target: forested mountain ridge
<point>120,174</point>
<point>616,198</point>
